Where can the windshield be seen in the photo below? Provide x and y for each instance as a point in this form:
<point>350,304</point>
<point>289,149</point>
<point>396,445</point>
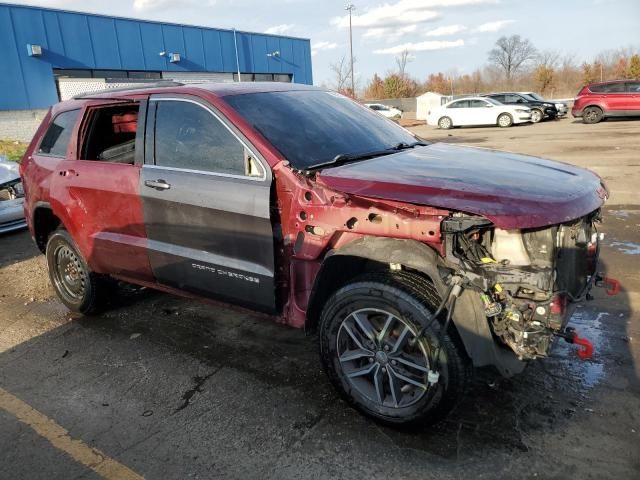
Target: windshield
<point>533,96</point>
<point>491,100</point>
<point>313,126</point>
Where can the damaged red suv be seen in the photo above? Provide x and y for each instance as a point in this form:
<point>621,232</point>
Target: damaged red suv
<point>414,262</point>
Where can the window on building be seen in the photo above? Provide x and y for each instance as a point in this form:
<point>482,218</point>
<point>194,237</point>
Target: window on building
<point>111,134</point>
<point>56,140</point>
<point>188,136</point>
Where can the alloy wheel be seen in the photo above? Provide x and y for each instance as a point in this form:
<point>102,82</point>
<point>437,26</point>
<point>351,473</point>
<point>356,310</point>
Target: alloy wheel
<point>381,358</point>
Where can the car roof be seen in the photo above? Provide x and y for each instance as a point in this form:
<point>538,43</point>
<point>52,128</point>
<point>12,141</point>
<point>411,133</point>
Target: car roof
<point>609,82</point>
<point>218,89</point>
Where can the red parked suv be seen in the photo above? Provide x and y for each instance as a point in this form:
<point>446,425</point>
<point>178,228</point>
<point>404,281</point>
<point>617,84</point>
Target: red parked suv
<point>598,101</point>
<point>414,262</point>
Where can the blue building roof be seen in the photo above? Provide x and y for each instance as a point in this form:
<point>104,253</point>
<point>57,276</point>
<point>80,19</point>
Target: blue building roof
<point>72,40</point>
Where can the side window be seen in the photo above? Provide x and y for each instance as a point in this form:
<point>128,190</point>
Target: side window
<point>460,104</point>
<point>189,136</point>
<point>56,140</point>
<point>478,104</point>
<point>111,134</point>
<point>617,87</point>
<point>597,88</point>
<point>498,98</point>
<point>633,87</point>
<point>513,99</point>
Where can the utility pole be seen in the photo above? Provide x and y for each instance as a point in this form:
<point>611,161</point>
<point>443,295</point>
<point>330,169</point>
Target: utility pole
<point>350,8</point>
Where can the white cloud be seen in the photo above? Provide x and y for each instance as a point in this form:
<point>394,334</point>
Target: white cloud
<point>492,26</point>
<point>280,29</point>
<point>421,46</point>
<point>403,12</point>
<point>389,33</point>
<point>321,46</point>
<point>445,30</point>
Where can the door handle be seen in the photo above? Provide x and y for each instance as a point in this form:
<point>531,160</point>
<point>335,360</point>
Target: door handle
<point>157,184</point>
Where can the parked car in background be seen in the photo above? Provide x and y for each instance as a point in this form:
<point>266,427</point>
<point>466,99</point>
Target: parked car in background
<point>539,109</point>
<point>598,101</point>
<point>384,110</point>
<point>11,197</point>
<point>414,262</point>
<point>477,111</point>
<point>562,107</point>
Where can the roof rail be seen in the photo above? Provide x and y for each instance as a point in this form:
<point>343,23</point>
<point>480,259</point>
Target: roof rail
<point>142,85</point>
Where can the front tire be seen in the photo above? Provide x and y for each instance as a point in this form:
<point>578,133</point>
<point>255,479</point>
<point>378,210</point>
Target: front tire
<point>505,120</point>
<point>536,115</point>
<point>592,115</point>
<point>369,350</point>
<point>77,287</point>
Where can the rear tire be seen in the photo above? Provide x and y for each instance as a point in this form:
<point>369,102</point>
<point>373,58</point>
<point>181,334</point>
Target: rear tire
<point>376,379</point>
<point>77,287</point>
<point>445,123</point>
<point>592,115</point>
<point>505,120</point>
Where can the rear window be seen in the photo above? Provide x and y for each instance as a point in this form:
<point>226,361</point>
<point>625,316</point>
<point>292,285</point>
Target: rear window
<point>56,140</point>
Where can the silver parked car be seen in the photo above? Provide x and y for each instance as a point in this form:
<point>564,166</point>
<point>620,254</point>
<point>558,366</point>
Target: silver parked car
<point>11,197</point>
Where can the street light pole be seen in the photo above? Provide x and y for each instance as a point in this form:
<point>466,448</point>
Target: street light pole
<point>350,8</point>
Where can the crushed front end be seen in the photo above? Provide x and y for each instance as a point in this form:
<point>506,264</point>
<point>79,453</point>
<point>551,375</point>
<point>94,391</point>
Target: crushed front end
<point>528,280</point>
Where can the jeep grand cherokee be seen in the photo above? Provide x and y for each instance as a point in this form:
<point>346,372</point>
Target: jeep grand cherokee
<point>415,262</point>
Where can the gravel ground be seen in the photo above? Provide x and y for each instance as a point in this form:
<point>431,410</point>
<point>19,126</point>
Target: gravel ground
<point>172,388</point>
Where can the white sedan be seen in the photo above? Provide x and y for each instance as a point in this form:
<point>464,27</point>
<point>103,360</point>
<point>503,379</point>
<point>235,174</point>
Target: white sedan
<point>477,111</point>
<point>385,111</point>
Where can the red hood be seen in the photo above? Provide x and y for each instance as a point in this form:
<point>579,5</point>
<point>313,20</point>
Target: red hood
<point>511,190</point>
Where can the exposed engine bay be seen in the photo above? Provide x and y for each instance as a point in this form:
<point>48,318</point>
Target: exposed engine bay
<point>528,279</point>
<point>11,190</point>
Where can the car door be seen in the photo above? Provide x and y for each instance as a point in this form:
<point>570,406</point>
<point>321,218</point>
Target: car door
<point>481,112</point>
<point>206,199</point>
<point>632,99</point>
<point>459,112</point>
<point>615,98</point>
<point>100,194</point>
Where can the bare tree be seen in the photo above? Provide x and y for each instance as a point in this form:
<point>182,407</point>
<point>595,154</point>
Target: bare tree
<point>402,61</point>
<point>549,58</point>
<point>511,53</point>
<point>341,71</point>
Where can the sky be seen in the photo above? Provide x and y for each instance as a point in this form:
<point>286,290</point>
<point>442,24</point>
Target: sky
<point>441,35</point>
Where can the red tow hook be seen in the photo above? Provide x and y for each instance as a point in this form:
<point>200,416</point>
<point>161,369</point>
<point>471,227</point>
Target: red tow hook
<point>612,283</point>
<point>586,350</point>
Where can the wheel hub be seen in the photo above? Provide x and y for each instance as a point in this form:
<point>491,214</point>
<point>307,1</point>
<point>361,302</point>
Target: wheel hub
<point>382,359</point>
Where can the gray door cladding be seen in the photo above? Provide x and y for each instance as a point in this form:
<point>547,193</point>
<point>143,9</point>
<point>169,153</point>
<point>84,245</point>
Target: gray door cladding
<point>209,234</point>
